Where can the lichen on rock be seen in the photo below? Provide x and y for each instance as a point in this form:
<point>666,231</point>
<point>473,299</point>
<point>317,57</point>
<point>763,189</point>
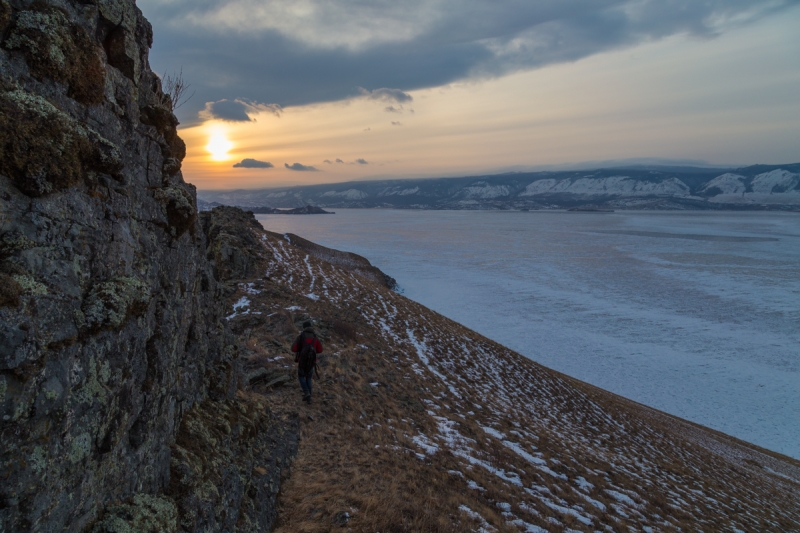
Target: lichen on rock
<point>218,453</point>
<point>171,166</point>
<point>43,150</point>
<point>14,241</point>
<point>143,514</point>
<point>61,50</point>
<point>164,121</point>
<point>180,207</point>
<point>29,285</point>
<point>111,302</point>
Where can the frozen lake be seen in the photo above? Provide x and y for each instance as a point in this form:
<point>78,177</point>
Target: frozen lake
<point>696,314</point>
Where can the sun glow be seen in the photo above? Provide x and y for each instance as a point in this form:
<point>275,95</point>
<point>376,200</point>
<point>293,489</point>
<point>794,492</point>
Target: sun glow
<point>219,145</point>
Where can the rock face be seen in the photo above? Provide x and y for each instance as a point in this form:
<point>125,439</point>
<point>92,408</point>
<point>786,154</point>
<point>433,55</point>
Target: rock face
<point>111,345</point>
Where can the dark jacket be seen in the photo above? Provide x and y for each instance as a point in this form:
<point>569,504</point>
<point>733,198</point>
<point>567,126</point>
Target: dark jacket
<point>309,337</point>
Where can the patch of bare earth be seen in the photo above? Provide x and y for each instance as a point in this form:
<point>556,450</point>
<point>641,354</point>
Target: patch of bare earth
<point>419,424</point>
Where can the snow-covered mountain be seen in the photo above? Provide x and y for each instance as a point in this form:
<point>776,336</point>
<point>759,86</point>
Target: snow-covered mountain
<point>777,186</point>
<point>755,187</point>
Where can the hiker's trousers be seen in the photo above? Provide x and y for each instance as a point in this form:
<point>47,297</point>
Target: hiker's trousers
<point>305,383</point>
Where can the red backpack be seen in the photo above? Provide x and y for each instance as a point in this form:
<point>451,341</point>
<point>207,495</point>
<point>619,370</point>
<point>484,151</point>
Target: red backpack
<point>307,355</point>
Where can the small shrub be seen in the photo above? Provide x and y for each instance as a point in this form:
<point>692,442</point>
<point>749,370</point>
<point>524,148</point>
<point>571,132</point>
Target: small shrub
<point>175,90</point>
<point>345,330</point>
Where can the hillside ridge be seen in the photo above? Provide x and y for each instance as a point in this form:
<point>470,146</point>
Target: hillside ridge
<point>753,187</point>
<point>419,424</point>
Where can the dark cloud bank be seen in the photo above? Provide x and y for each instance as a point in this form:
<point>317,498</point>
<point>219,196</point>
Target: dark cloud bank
<point>359,161</point>
<point>300,168</point>
<point>253,163</point>
<point>471,39</point>
<point>237,110</point>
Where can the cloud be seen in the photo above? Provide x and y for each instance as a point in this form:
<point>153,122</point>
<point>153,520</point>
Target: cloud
<point>339,160</point>
<point>386,95</point>
<point>253,163</point>
<point>328,161</point>
<point>300,168</point>
<point>397,123</point>
<point>231,111</point>
<point>237,110</point>
<point>331,48</point>
<point>393,109</point>
<point>361,161</point>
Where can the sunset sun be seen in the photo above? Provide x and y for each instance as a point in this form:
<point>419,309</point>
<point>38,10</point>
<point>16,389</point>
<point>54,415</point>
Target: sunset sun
<point>219,145</point>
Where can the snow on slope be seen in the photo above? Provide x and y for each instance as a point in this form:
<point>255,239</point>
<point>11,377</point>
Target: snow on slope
<point>562,454</point>
<point>349,194</point>
<point>775,187</point>
<point>399,191</point>
<point>777,181</point>
<point>727,183</point>
<point>615,185</point>
<point>483,190</point>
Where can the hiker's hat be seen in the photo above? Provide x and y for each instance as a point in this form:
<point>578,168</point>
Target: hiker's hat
<point>306,324</point>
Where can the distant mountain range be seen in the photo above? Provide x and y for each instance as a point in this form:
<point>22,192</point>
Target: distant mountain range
<point>638,187</point>
<point>305,210</point>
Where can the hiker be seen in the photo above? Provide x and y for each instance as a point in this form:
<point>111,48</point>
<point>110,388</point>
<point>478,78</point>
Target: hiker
<point>306,346</point>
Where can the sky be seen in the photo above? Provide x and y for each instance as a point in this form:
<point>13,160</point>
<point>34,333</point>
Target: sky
<point>296,92</point>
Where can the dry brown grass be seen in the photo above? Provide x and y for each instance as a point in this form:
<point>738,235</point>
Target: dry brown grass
<point>347,331</point>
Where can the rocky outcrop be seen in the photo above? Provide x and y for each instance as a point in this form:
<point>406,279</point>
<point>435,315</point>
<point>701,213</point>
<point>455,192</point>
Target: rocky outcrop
<point>354,263</point>
<point>111,340</point>
<point>233,250</point>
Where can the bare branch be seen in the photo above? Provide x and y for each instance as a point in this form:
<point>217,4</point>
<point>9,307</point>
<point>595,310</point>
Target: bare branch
<point>175,89</point>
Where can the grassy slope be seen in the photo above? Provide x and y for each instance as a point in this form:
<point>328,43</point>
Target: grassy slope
<point>419,424</point>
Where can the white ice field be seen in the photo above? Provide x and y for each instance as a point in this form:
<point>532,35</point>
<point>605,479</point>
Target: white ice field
<point>694,313</point>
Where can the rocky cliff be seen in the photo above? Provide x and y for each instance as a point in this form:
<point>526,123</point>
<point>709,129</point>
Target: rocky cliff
<point>117,374</point>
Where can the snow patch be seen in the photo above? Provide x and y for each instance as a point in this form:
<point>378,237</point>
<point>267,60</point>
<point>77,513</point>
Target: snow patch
<point>243,303</point>
<point>611,186</point>
<point>350,194</point>
<point>727,183</point>
<point>481,189</point>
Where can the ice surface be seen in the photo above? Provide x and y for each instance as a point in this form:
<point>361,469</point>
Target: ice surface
<point>706,327</point>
